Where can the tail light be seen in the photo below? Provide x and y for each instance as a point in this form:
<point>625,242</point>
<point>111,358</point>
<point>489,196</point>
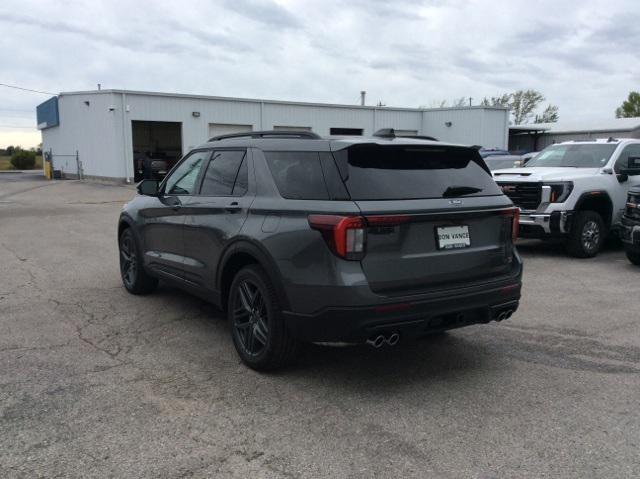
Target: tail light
<point>514,213</point>
<point>345,235</point>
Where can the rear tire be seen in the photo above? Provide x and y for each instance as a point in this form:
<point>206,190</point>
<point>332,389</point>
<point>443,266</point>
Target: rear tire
<point>258,330</point>
<point>134,277</point>
<point>587,235</point>
<point>633,255</point>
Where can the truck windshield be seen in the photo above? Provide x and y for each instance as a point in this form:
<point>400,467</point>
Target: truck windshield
<point>574,156</point>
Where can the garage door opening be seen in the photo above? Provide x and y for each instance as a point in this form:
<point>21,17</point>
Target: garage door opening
<point>157,146</point>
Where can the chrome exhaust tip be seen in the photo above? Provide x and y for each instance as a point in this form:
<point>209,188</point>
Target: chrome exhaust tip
<point>376,342</point>
<point>393,339</point>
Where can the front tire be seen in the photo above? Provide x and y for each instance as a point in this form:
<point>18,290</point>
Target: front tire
<point>258,330</point>
<point>587,235</point>
<point>134,277</point>
<point>633,255</point>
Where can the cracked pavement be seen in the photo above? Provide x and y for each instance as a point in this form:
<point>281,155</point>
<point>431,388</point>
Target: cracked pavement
<point>95,382</point>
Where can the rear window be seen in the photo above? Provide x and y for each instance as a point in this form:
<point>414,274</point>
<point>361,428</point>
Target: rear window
<point>373,172</point>
<point>298,174</point>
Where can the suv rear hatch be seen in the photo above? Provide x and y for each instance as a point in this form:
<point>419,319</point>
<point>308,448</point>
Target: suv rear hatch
<point>434,216</point>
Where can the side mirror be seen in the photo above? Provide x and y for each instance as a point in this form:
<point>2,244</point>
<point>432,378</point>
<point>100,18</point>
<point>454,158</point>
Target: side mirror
<point>148,187</point>
<point>633,166</point>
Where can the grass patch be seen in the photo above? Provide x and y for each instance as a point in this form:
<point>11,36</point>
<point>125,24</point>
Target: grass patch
<point>5,163</point>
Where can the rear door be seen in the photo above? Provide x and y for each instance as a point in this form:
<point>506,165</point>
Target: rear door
<point>216,213</point>
<point>435,216</point>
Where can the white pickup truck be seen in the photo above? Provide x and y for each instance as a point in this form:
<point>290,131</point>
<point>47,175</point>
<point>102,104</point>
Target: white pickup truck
<point>576,190</point>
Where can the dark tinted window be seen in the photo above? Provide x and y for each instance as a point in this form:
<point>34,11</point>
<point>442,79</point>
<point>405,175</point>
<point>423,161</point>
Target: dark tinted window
<point>182,181</point>
<point>623,160</point>
<point>298,175</point>
<point>346,131</point>
<point>225,170</point>
<point>376,172</point>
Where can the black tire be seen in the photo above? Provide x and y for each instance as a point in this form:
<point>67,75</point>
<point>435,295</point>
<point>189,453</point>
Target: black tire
<point>257,326</point>
<point>134,277</point>
<point>633,255</point>
<point>587,235</point>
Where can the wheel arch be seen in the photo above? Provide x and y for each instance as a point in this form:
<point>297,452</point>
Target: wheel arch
<point>598,201</point>
<point>240,254</point>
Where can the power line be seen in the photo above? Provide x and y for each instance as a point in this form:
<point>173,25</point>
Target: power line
<point>27,89</point>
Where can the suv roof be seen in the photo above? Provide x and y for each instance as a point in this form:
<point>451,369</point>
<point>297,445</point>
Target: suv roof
<point>307,141</point>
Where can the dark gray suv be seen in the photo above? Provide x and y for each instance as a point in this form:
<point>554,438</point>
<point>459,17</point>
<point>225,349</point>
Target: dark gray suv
<point>305,239</point>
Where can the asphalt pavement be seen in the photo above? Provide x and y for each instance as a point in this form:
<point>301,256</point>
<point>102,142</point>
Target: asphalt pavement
<point>95,382</point>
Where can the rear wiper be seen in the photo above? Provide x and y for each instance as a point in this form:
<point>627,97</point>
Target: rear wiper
<point>460,191</point>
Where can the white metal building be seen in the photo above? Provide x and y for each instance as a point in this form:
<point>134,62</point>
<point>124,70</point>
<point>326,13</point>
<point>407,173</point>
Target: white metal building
<point>108,127</point>
<point>538,136</point>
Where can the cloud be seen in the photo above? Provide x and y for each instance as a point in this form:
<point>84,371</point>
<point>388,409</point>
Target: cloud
<point>582,57</point>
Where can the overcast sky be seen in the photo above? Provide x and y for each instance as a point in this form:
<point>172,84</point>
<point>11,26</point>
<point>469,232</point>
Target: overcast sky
<point>583,55</point>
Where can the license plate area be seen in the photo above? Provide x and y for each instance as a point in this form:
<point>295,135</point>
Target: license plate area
<point>453,237</point>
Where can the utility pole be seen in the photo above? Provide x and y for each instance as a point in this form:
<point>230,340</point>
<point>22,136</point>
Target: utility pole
<point>470,101</point>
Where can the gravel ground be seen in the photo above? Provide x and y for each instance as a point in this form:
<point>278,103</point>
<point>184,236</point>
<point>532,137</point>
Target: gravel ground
<point>95,382</point>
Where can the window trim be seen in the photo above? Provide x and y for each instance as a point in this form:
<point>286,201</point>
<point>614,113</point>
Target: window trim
<point>164,181</point>
<point>210,160</point>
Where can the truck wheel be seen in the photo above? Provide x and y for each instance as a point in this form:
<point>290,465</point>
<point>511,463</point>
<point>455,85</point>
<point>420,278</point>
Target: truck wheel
<point>633,254</point>
<point>134,277</point>
<point>259,333</point>
<point>587,235</point>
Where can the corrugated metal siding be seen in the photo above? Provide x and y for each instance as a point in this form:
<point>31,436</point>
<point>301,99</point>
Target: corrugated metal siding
<point>105,143</point>
<point>89,129</point>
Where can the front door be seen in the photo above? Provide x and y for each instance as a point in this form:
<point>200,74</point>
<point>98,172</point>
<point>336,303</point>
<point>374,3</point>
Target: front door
<point>216,214</point>
<point>165,215</point>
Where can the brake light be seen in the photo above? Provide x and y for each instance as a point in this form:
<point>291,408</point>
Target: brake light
<point>345,235</point>
<point>515,221</point>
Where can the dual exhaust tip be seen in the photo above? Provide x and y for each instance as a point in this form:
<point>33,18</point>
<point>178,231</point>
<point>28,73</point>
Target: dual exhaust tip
<point>506,314</point>
<point>380,340</point>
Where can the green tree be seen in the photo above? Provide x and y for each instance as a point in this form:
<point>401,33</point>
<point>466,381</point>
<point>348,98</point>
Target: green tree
<point>523,105</point>
<point>23,160</point>
<point>630,108</point>
<point>549,115</point>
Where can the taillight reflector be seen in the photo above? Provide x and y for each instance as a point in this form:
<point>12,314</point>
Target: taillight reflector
<point>345,235</point>
<point>515,221</point>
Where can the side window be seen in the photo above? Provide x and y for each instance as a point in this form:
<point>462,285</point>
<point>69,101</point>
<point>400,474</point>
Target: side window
<point>226,174</point>
<point>182,181</point>
<point>623,159</point>
<point>298,174</point>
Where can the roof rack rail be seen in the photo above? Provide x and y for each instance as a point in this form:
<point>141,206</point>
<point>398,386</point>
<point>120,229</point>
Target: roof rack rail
<point>270,134</point>
<point>391,133</point>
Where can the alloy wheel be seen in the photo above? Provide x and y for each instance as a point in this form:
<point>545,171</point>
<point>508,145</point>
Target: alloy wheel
<point>591,235</point>
<point>128,259</point>
<point>250,318</point>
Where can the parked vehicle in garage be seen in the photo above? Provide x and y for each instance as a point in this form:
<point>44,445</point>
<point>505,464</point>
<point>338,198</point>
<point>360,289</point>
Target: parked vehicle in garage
<point>630,231</point>
<point>304,239</point>
<point>576,191</point>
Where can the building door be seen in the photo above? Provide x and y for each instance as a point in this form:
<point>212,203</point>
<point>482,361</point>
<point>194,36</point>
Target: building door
<point>157,146</point>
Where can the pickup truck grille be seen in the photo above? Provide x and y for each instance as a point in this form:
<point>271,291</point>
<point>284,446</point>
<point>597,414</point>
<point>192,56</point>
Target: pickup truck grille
<point>525,195</point>
<point>633,211</point>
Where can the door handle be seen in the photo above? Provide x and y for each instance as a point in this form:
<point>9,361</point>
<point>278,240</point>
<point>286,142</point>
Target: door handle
<point>233,207</point>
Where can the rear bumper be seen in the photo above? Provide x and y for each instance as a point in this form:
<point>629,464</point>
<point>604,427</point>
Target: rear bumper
<point>449,310</point>
<point>541,225</point>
